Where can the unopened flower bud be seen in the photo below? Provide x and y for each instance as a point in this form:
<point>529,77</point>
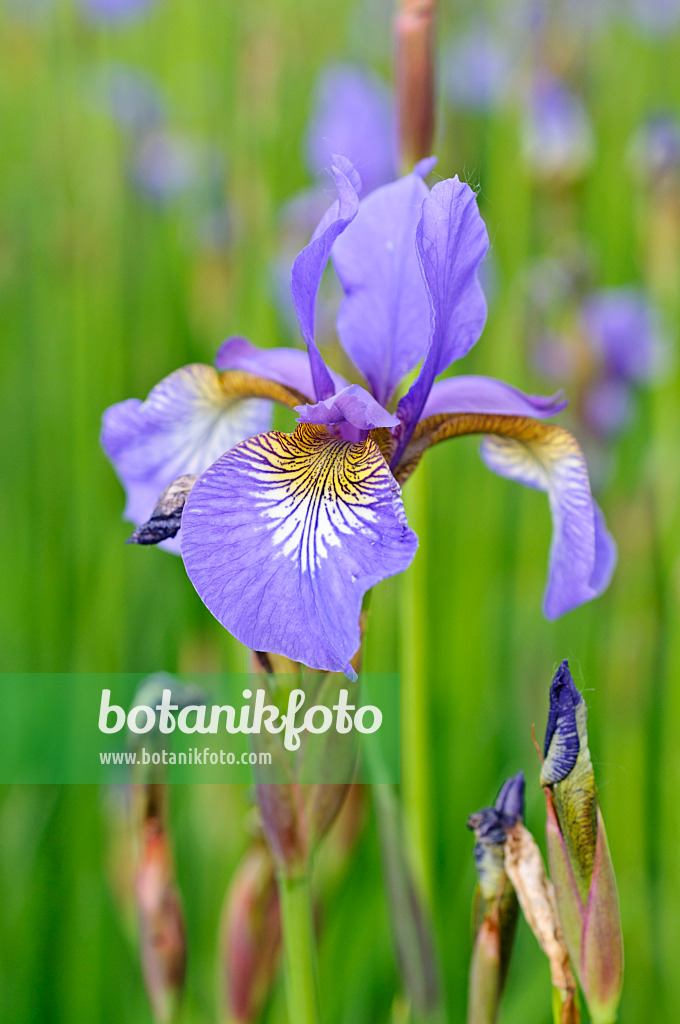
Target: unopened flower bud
<point>495,906</point>
<point>161,922</point>
<point>251,937</point>
<point>580,863</point>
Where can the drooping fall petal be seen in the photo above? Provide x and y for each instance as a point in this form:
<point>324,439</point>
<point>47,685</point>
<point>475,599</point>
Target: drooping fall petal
<point>187,421</point>
<point>285,533</point>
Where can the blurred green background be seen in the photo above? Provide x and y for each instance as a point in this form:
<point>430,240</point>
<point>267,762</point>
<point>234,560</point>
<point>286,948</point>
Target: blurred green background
<point>103,292</point>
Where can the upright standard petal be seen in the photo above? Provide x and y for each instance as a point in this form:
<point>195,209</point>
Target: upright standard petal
<point>186,423</point>
<point>285,533</point>
<point>384,319</point>
<point>452,241</point>
<point>582,553</point>
<point>311,263</point>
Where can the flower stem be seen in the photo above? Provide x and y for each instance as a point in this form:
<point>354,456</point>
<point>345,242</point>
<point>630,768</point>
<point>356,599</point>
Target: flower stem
<point>299,942</point>
<point>415,703</point>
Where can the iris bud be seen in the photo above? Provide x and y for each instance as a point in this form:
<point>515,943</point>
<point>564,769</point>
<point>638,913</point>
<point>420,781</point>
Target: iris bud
<point>161,922</point>
<point>580,862</point>
<point>251,937</point>
<point>495,905</point>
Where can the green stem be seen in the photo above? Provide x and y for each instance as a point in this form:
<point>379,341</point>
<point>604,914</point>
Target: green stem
<point>302,990</point>
<point>415,699</point>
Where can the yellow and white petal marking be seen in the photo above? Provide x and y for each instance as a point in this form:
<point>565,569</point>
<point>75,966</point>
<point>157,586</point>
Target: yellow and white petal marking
<point>313,490</point>
<point>285,533</point>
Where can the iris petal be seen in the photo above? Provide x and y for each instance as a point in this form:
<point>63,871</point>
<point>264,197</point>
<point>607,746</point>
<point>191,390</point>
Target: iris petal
<point>311,263</point>
<point>582,553</point>
<point>285,533</point>
<point>470,393</point>
<point>384,320</point>
<point>186,422</point>
<point>287,366</point>
<point>452,241</point>
<point>353,405</point>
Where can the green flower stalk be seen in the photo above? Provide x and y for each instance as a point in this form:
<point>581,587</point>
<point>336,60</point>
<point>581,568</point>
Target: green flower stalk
<point>578,853</point>
<point>495,905</point>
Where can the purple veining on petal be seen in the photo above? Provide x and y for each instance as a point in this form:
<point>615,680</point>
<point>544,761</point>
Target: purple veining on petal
<point>353,405</point>
<point>384,319</point>
<point>469,393</point>
<point>284,534</point>
<point>311,262</point>
<point>353,115</point>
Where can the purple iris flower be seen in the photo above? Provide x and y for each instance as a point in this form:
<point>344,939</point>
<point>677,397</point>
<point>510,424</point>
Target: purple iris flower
<point>558,138</point>
<point>283,534</point>
<point>116,10</point>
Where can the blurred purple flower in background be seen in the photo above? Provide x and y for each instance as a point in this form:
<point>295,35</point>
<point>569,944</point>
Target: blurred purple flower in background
<point>476,71</point>
<point>655,16</point>
<point>353,115</point>
<point>622,327</point>
<point>133,97</point>
<point>164,165</point>
<point>654,150</point>
<point>615,345</point>
<point>557,138</point>
<point>113,11</point>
